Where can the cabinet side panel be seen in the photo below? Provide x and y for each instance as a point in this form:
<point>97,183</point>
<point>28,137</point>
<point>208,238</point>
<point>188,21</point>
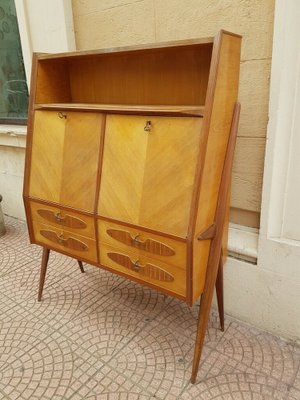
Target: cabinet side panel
<point>29,143</point>
<point>224,98</point>
<point>53,84</point>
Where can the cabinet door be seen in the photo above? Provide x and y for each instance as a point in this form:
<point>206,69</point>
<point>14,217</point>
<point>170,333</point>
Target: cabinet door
<point>148,171</point>
<point>64,159</point>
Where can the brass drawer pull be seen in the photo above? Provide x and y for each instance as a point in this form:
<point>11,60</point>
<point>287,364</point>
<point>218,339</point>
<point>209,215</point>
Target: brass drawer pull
<point>148,270</point>
<point>61,239</point>
<point>147,127</point>
<point>58,217</point>
<point>149,245</point>
<point>137,241</point>
<point>66,220</point>
<point>136,266</point>
<point>70,242</point>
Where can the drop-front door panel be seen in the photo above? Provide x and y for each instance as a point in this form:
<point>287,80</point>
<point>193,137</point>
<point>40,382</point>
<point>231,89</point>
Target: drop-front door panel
<point>148,171</point>
<point>64,160</point>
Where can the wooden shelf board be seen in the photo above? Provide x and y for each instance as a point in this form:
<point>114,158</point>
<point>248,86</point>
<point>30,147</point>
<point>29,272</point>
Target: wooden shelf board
<point>179,110</point>
<point>127,49</point>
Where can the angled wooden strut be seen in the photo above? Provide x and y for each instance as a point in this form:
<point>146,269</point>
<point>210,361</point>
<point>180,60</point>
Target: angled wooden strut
<point>209,234</point>
<point>216,245</point>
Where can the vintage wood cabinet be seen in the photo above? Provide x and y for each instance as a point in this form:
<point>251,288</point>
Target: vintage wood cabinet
<point>128,162</point>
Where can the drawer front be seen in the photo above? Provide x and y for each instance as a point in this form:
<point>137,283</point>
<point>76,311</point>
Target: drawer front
<point>61,219</point>
<point>77,246</point>
<point>149,270</point>
<point>147,244</point>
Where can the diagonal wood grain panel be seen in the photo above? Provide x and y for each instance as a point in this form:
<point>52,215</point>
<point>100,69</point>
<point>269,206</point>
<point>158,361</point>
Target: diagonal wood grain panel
<point>168,186</point>
<point>47,156</point>
<point>81,153</point>
<point>139,183</point>
<point>124,157</point>
<point>65,155</point>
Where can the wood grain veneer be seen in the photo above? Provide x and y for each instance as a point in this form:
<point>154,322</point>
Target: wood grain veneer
<point>147,192</point>
<point>128,163</point>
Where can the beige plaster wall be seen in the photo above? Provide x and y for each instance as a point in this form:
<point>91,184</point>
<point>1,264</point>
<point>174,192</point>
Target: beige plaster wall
<point>109,23</point>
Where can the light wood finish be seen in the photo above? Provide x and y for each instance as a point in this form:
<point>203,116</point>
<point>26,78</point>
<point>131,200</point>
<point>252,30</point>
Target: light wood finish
<point>118,264</point>
<point>140,48</point>
<point>215,256</point>
<point>148,245</point>
<point>222,98</point>
<point>64,163</point>
<point>128,78</point>
<point>77,246</point>
<point>147,192</point>
<point>147,270</point>
<point>62,219</point>
<point>119,174</point>
<point>176,110</point>
<point>179,248</point>
<point>53,84</point>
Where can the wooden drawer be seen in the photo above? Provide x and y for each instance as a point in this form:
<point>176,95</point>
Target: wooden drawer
<point>77,246</point>
<point>146,269</point>
<point>155,246</point>
<point>61,219</point>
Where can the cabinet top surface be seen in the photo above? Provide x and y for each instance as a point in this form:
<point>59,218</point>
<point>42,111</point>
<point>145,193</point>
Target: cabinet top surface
<point>141,47</point>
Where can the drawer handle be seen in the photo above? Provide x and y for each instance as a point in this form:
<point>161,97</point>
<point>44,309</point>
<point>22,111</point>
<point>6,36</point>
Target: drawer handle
<point>137,241</point>
<point>147,127</point>
<point>70,242</point>
<point>59,218</point>
<point>149,245</point>
<point>62,115</point>
<point>149,270</point>
<point>136,266</point>
<point>61,239</point>
<point>66,220</point>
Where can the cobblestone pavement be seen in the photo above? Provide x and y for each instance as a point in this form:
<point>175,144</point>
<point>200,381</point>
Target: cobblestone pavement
<point>99,336</point>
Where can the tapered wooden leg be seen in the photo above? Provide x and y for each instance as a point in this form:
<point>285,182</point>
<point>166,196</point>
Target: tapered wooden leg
<point>220,292</point>
<point>45,258</point>
<point>80,266</point>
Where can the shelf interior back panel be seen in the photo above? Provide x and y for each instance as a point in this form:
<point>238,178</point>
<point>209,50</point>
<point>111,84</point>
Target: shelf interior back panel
<point>170,76</point>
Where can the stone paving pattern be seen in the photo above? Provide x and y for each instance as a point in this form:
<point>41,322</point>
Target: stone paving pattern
<point>98,336</point>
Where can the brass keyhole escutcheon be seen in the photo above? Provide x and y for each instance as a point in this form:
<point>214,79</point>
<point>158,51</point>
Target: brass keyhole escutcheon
<point>62,115</point>
<point>147,127</point>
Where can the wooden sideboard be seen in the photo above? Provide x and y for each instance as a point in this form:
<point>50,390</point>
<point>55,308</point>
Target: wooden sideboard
<point>128,163</point>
